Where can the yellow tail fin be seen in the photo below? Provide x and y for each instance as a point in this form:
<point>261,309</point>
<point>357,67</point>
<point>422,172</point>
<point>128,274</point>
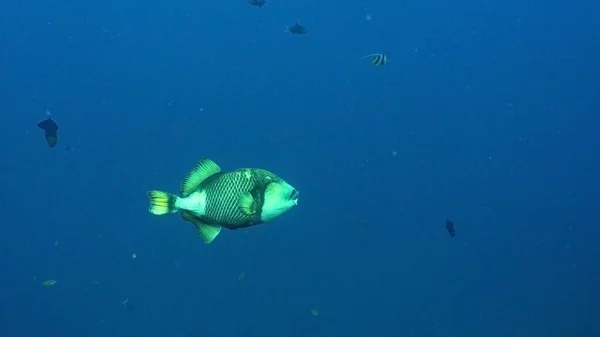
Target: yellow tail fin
<point>162,203</point>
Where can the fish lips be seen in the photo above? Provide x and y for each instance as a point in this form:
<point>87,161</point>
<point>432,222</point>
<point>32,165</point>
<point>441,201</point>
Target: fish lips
<point>294,196</point>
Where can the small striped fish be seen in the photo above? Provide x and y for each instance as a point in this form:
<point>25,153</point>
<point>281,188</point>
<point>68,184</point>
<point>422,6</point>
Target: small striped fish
<point>377,60</point>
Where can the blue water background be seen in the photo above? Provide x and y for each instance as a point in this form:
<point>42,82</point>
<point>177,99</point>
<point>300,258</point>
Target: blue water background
<point>487,113</point>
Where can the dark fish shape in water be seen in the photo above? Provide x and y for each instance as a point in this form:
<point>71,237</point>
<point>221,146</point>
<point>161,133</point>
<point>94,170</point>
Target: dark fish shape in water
<point>297,29</point>
<point>450,228</point>
<point>257,3</point>
<point>50,129</point>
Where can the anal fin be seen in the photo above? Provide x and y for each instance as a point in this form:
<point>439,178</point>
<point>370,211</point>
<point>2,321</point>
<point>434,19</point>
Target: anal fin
<point>206,232</point>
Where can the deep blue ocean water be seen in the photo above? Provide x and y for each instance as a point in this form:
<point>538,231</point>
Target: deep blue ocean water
<point>486,114</point>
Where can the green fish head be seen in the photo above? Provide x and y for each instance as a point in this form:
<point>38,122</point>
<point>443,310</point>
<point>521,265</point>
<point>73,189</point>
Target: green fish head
<point>280,197</point>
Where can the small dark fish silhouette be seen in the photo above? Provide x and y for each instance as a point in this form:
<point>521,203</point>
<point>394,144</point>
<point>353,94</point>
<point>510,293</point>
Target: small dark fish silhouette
<point>257,3</point>
<point>297,29</point>
<point>450,228</point>
<point>128,304</point>
<point>50,129</point>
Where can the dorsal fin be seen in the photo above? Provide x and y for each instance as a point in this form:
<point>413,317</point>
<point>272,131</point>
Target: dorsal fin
<point>204,169</point>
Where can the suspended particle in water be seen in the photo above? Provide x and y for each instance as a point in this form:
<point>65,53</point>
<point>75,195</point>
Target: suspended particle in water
<point>368,16</point>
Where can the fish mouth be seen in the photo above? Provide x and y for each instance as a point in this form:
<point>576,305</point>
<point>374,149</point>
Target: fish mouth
<point>294,196</point>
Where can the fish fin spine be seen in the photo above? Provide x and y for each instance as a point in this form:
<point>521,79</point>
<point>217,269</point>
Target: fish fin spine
<point>162,203</point>
<point>203,169</point>
<point>364,57</point>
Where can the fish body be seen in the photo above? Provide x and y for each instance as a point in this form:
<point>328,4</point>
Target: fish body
<point>450,228</point>
<point>211,199</point>
<point>377,60</point>
<point>128,304</point>
<point>49,283</point>
<point>297,29</point>
<point>50,129</point>
<point>257,3</point>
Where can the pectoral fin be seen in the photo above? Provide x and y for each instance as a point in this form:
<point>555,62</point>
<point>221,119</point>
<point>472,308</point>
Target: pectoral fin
<point>206,232</point>
<point>203,169</point>
<point>247,204</point>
